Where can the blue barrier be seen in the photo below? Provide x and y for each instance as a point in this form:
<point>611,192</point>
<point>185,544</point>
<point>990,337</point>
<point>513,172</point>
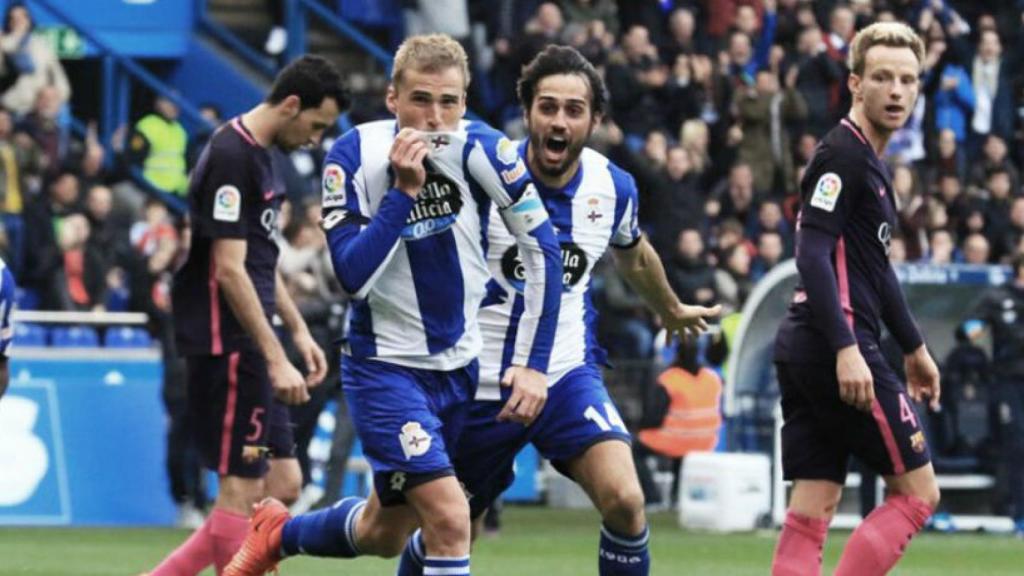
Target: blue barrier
<point>82,439</point>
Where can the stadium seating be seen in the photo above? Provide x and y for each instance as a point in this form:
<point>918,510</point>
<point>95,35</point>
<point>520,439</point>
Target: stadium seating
<point>27,334</point>
<point>26,299</point>
<point>126,337</point>
<point>75,337</point>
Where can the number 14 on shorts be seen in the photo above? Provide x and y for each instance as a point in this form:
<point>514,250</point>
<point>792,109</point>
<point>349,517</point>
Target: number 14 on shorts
<point>606,421</point>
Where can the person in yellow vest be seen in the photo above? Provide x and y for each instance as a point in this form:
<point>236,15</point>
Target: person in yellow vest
<point>159,144</point>
<point>689,395</point>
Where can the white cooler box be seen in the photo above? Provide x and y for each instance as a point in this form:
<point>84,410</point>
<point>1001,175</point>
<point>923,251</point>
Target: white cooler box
<point>724,492</point>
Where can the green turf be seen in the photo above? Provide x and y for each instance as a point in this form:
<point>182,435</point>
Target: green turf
<point>535,542</point>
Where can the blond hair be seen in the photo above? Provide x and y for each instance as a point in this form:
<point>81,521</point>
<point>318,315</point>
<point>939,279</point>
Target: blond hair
<point>430,53</point>
<point>893,34</point>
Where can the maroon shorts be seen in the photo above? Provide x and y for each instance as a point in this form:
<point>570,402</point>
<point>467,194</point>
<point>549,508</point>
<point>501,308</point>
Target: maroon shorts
<point>820,432</point>
<point>238,423</point>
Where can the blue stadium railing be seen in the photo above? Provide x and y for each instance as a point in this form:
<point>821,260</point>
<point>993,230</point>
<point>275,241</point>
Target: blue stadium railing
<point>117,71</point>
<point>297,15</point>
<point>296,21</point>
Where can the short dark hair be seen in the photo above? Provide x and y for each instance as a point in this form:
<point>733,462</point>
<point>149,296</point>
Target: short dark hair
<point>312,78</point>
<point>555,60</point>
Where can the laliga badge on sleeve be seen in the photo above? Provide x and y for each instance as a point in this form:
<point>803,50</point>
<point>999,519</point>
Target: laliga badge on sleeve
<point>826,192</point>
<point>227,204</point>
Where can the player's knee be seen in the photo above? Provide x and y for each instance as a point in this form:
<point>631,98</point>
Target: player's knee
<point>930,496</point>
<point>623,508</point>
<point>450,528</point>
<point>830,503</point>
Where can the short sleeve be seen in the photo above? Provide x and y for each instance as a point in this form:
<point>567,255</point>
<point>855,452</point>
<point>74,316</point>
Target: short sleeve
<point>627,226</point>
<point>227,191</point>
<point>830,191</point>
<point>494,163</point>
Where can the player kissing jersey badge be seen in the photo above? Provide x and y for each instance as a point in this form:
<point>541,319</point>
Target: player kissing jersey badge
<point>414,439</point>
<point>826,191</point>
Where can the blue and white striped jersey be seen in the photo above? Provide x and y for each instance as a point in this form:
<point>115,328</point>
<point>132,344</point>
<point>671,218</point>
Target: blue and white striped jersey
<point>597,208</point>
<point>416,268</point>
<point>7,296</point>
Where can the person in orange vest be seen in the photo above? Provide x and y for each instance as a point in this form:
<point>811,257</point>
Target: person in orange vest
<point>689,397</point>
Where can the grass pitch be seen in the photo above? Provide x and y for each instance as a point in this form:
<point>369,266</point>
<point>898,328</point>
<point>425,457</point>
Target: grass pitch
<point>534,542</point>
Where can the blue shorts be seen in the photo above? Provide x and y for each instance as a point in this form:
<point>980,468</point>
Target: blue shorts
<point>579,413</point>
<point>407,419</point>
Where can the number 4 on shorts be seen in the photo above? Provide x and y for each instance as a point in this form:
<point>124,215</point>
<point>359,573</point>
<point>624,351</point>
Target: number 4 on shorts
<point>605,423</point>
<point>906,412</point>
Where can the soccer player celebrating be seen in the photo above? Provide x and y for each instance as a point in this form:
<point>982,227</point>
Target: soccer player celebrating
<point>225,295</point>
<point>839,397</point>
<point>593,205</point>
<point>405,238</point>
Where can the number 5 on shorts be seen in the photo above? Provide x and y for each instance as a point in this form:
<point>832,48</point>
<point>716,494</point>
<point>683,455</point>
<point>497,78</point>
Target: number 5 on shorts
<point>605,424</point>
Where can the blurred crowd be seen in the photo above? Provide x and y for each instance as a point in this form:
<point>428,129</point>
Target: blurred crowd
<point>716,108</point>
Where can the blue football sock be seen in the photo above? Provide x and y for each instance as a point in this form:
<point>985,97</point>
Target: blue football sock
<point>329,532</point>
<point>438,566</point>
<point>411,563</point>
<point>621,555</point>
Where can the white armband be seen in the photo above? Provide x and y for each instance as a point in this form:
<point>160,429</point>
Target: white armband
<point>526,214</point>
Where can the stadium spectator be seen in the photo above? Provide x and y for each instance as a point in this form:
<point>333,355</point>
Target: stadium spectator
<point>45,240</point>
<point>687,396</point>
<point>770,251</point>
<point>998,208</point>
<point>941,247</point>
<point>732,277</point>
<point>913,210</point>
<point>992,82</point>
<point>994,157</point>
<point>683,37</point>
<point>43,126</point>
<point>636,79</point>
<point>158,145</point>
<point>689,273</point>
<point>954,101</point>
<point>586,11</point>
<point>818,77</point>
<point>975,249</point>
<point>30,62</point>
<point>19,174</point>
<point>950,160</point>
<point>765,112</point>
<point>736,197</point>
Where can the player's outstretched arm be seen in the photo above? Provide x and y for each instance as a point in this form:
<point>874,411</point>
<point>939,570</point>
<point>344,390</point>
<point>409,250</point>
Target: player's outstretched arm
<point>312,355</point>
<point>234,281</point>
<point>641,266</point>
<point>361,247</point>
